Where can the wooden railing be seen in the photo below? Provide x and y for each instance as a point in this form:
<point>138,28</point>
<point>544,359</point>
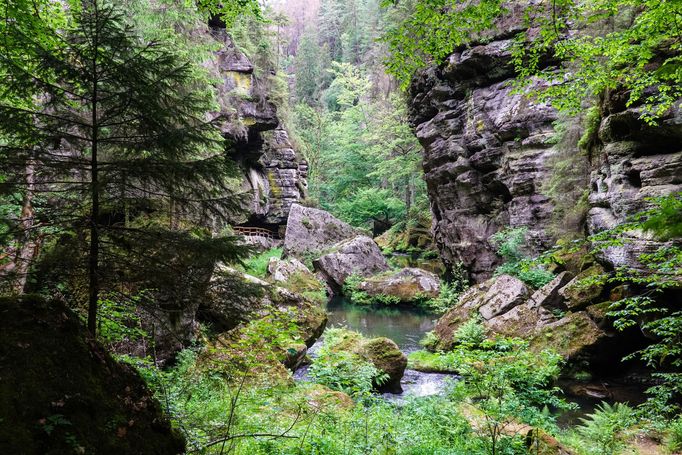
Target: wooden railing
<point>249,231</point>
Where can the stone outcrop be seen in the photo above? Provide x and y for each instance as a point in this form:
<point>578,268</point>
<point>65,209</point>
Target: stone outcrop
<point>407,285</point>
<point>357,256</point>
<point>61,392</point>
<point>488,156</point>
<point>275,175</point>
<point>632,161</point>
<point>506,307</point>
<point>282,270</point>
<point>313,231</point>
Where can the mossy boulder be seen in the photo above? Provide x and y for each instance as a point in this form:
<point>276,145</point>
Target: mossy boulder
<point>407,285</point>
<point>382,352</point>
<point>584,289</point>
<point>386,356</point>
<point>238,298</point>
<point>571,336</point>
<point>61,392</point>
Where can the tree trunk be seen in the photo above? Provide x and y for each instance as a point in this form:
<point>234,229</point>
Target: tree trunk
<point>25,247</point>
<point>93,262</point>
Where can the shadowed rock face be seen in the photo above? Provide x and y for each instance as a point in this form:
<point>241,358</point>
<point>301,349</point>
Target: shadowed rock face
<point>487,156</point>
<point>61,392</point>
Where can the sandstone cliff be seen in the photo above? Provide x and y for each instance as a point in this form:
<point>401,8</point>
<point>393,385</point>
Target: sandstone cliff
<point>490,154</point>
<point>275,175</point>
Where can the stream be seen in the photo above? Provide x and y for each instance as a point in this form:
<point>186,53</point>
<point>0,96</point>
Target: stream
<point>405,326</point>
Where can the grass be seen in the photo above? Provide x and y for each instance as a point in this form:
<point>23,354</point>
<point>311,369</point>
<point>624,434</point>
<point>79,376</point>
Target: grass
<point>258,265</point>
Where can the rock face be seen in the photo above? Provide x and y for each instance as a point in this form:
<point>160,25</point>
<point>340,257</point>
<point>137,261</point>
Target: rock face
<point>62,393</point>
<point>632,161</point>
<point>407,284</point>
<point>275,175</point>
<point>488,155</point>
<point>312,231</point>
<point>277,180</point>
<point>357,256</point>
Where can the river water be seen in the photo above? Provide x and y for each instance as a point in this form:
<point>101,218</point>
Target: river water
<point>405,326</point>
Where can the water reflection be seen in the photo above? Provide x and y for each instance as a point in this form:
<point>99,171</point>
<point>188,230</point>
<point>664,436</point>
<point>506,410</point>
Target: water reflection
<point>405,326</point>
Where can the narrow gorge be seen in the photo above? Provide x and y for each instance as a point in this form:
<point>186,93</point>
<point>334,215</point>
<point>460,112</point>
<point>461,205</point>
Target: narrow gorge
<point>287,227</point>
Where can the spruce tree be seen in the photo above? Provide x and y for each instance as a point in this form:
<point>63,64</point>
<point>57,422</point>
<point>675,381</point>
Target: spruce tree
<point>122,157</point>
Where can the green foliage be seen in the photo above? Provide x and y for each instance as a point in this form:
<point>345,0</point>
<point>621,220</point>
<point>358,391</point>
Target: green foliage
<point>432,30</point>
<point>470,335</point>
<point>674,438</point>
<point>605,45</point>
<point>429,341</point>
<point>660,271</point>
<point>129,112</point>
<point>230,10</point>
<point>118,322</point>
<point>605,429</point>
<point>342,370</point>
<point>257,265</point>
<point>509,244</point>
<point>448,297</point>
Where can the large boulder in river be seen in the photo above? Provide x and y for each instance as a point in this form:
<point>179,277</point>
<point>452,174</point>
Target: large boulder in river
<point>382,352</point>
<point>357,256</point>
<point>313,231</point>
<point>408,285</point>
<point>487,300</point>
<point>387,357</point>
<point>61,392</point>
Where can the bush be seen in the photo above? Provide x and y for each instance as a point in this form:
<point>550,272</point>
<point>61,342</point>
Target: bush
<point>604,429</point>
<point>509,243</point>
<point>471,334</point>
<point>674,439</point>
<point>358,297</point>
<point>447,298</point>
<point>339,369</point>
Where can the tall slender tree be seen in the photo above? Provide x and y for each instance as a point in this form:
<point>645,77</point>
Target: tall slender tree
<point>115,133</point>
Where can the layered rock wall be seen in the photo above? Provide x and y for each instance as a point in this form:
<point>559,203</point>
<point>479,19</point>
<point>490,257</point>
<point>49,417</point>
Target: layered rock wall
<point>275,175</point>
<point>489,154</point>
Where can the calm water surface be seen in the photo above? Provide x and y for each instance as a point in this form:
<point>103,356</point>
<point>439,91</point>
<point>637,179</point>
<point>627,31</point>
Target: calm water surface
<point>405,326</point>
